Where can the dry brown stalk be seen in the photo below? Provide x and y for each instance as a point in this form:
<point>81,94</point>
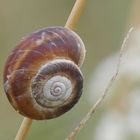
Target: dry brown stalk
<point>100,100</point>
<point>23,130</point>
<point>71,22</point>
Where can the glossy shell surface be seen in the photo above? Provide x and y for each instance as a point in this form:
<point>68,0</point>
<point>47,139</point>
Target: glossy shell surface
<point>54,51</point>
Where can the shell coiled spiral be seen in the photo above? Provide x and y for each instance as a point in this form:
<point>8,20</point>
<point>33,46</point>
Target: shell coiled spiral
<point>42,79</point>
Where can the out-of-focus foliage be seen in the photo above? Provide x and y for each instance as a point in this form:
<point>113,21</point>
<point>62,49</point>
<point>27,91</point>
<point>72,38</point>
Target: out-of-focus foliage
<point>101,27</point>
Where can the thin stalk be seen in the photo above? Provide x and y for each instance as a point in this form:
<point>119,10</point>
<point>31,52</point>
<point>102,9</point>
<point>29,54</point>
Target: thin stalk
<point>75,14</point>
<point>24,128</point>
<point>90,113</point>
<point>71,22</point>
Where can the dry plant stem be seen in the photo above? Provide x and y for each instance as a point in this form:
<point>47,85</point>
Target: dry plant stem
<point>100,100</point>
<point>75,14</point>
<point>71,22</point>
<point>23,130</point>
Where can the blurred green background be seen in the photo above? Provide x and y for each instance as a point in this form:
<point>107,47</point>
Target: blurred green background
<point>102,26</point>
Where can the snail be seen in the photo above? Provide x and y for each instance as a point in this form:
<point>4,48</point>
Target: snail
<point>42,79</point>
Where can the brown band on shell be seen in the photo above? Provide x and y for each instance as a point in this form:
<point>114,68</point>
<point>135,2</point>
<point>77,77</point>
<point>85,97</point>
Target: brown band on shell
<point>48,44</point>
<point>27,96</point>
<point>47,52</point>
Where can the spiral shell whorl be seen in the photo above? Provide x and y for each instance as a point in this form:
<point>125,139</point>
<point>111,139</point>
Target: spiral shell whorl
<point>61,75</point>
<point>42,79</point>
<point>54,92</point>
<point>57,88</point>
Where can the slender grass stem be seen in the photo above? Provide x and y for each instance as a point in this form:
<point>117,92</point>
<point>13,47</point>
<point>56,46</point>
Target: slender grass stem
<point>24,128</point>
<point>71,22</point>
<point>104,94</point>
<point>75,14</point>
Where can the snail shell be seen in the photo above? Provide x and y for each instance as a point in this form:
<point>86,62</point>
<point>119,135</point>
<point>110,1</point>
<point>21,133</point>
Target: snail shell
<point>42,79</point>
